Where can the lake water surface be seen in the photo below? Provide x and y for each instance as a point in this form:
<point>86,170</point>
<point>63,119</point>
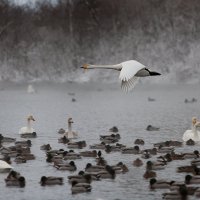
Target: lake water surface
<point>97,108</point>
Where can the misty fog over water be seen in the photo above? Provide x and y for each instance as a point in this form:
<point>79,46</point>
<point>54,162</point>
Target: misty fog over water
<point>50,40</point>
<point>43,44</point>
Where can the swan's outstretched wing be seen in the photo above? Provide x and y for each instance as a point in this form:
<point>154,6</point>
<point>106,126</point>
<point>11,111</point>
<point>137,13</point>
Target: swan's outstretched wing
<point>127,75</point>
<point>130,84</point>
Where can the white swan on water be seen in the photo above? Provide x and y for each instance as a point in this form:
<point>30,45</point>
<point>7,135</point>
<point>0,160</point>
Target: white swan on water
<point>130,71</point>
<point>193,134</point>
<point>30,89</point>
<point>70,134</point>
<point>28,128</point>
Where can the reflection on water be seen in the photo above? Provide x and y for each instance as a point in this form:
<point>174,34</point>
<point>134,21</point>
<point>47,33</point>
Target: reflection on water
<point>96,109</point>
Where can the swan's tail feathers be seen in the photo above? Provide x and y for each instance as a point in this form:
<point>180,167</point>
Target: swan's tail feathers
<point>154,73</point>
<point>127,86</point>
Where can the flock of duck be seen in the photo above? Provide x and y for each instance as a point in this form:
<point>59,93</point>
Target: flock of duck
<point>62,159</point>
<point>152,159</point>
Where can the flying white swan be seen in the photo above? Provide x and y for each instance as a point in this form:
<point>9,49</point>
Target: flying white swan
<point>193,134</point>
<point>28,128</point>
<point>70,134</point>
<point>130,71</point>
<point>4,166</point>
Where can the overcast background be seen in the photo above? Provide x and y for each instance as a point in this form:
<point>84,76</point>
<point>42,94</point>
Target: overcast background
<point>50,40</point>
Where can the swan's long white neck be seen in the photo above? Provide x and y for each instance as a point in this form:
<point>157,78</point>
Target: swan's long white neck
<point>29,124</point>
<point>69,127</point>
<point>194,129</point>
<point>70,133</point>
<point>116,67</point>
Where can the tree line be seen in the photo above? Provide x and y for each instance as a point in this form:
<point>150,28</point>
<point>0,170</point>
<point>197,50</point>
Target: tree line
<point>50,39</point>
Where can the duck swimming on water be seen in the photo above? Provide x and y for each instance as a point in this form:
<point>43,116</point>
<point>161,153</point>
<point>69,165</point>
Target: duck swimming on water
<point>152,128</point>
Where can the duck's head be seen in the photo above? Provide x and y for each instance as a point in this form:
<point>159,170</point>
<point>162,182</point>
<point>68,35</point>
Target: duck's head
<point>196,152</point>
<point>168,156</point>
<point>22,181</point>
<point>88,165</point>
<point>65,153</point>
<point>70,120</point>
<point>120,163</point>
<point>188,178</point>
<point>72,163</point>
<point>194,120</point>
<point>49,158</point>
<point>99,153</point>
<point>152,181</point>
<point>149,165</point>
<point>167,143</point>
<point>74,183</point>
<point>149,162</point>
<point>29,142</point>
<point>81,173</point>
<point>14,174</point>
<point>110,170</point>
<point>30,118</point>
<point>137,148</point>
<point>43,180</point>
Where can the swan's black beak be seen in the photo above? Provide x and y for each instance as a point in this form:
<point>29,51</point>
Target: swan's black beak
<point>154,73</point>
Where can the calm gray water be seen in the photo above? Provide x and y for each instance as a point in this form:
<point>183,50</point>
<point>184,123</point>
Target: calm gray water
<point>98,108</point>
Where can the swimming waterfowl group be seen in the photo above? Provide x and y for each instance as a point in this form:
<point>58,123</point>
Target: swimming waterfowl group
<point>65,159</point>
